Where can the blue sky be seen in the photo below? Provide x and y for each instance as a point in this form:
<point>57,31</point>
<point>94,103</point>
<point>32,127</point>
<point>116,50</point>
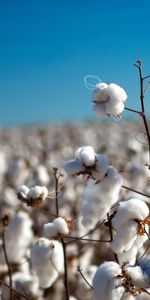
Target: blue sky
<point>47,47</point>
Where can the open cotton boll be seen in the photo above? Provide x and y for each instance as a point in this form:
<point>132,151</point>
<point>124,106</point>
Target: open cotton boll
<point>128,257</point>
<point>61,226</point>
<point>129,210</point>
<point>74,167</point>
<point>125,237</point>
<point>116,93</point>
<point>105,282</point>
<point>128,296</point>
<point>87,156</point>
<point>114,109</point>
<point>100,92</point>
<point>143,295</point>
<point>18,237</point>
<point>101,167</point>
<point>141,239</point>
<point>47,261</point>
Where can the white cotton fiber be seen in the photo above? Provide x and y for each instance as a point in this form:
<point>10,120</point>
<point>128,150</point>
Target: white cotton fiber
<point>130,210</point>
<point>38,192</point>
<point>105,282</point>
<point>47,261</point>
<point>23,192</point>
<point>128,257</point>
<point>74,167</point>
<point>114,109</point>
<point>100,109</point>
<point>50,231</point>
<point>18,236</point>
<point>87,156</point>
<point>99,198</point>
<point>116,93</point>
<point>125,237</point>
<point>101,167</point>
<point>100,92</point>
<point>61,226</point>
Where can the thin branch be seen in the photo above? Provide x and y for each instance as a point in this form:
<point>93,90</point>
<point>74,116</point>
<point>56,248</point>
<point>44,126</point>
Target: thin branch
<point>133,110</point>
<point>111,235</point>
<point>6,258</point>
<point>89,232</point>
<point>146,77</point>
<point>62,239</point>
<point>15,291</point>
<point>80,271</point>
<point>86,240</point>
<point>135,191</point>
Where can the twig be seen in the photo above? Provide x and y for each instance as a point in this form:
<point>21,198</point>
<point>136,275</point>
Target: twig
<point>5,223</point>
<point>133,110</point>
<point>62,239</point>
<point>80,271</point>
<point>135,191</point>
<point>86,240</point>
<point>111,235</point>
<point>15,291</point>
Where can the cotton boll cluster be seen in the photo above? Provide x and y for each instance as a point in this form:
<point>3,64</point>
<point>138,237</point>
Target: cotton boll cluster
<point>57,228</point>
<point>34,196</point>
<point>130,225</point>
<point>18,236</point>
<point>107,282</point>
<point>99,198</point>
<point>87,162</point>
<point>109,99</point>
<point>47,261</point>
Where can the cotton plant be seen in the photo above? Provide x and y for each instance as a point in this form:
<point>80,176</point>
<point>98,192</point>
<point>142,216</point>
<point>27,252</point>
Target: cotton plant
<point>109,99</point>
<point>34,196</point>
<point>47,261</point>
<point>87,162</point>
<point>131,225</point>
<point>98,199</point>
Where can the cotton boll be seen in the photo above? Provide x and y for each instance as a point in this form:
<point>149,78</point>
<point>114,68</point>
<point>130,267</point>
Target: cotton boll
<point>105,282</point>
<point>101,167</point>
<point>74,167</point>
<point>100,92</point>
<point>128,296</point>
<point>50,231</point>
<point>87,156</point>
<point>143,296</point>
<point>116,93</point>
<point>128,210</point>
<point>18,237</point>
<point>114,109</point>
<point>61,226</point>
<point>125,237</point>
<point>37,195</point>
<point>47,261</point>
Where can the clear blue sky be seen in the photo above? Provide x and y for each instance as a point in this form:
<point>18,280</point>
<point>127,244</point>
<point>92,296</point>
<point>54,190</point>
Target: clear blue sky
<point>47,47</point>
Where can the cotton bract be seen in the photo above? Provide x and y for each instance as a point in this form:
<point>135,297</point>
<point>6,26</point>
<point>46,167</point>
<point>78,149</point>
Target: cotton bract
<point>109,99</point>
<point>47,261</point>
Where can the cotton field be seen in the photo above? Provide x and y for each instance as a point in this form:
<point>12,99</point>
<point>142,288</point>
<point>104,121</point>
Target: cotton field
<point>33,232</point>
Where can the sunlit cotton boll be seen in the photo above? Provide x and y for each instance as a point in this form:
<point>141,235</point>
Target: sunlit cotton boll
<point>107,282</point>
<point>74,167</point>
<point>23,192</point>
<point>128,257</point>
<point>18,236</point>
<point>109,99</point>
<point>129,210</point>
<point>139,278</point>
<point>99,198</point>
<point>37,195</point>
<point>47,261</point>
<point>57,227</point>
<point>101,167</point>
